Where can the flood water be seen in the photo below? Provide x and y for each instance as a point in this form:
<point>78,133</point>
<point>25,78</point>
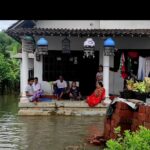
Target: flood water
<point>44,132</point>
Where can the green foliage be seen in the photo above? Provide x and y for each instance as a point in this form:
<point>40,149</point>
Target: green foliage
<point>4,68</point>
<point>139,140</point>
<point>8,45</point>
<point>9,67</point>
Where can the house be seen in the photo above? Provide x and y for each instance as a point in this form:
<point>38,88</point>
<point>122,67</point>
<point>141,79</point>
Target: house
<point>128,36</point>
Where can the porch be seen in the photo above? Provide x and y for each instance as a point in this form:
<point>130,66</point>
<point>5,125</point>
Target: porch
<point>65,107</point>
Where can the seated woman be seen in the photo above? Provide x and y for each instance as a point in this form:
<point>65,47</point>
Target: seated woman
<point>74,92</point>
<point>97,96</point>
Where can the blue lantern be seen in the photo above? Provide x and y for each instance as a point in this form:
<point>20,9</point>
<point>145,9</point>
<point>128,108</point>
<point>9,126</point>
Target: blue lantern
<point>109,47</point>
<point>28,44</point>
<point>42,46</point>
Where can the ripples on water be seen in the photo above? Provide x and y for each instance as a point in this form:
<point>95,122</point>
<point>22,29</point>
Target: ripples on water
<point>43,132</point>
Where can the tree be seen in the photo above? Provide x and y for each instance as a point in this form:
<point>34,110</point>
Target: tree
<point>9,67</point>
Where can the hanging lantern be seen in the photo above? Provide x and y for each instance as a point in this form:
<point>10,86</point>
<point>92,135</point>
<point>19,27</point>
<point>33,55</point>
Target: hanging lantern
<point>109,47</point>
<point>89,47</point>
<point>66,46</point>
<point>42,46</point>
<point>28,44</point>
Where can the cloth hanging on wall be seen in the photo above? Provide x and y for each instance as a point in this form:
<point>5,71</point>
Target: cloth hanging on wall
<point>123,67</point>
<point>116,61</point>
<point>147,67</point>
<point>144,67</point>
<point>132,66</point>
<point>141,68</point>
<point>133,55</point>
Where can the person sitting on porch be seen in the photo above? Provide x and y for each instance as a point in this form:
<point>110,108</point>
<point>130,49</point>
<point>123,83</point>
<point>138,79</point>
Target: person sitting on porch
<point>97,96</point>
<point>74,92</point>
<point>61,87</point>
<point>38,92</point>
<point>99,74</point>
<point>66,92</point>
<point>29,90</point>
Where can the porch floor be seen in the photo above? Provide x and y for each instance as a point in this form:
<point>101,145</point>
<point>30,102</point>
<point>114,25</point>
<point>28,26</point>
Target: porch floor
<point>65,107</point>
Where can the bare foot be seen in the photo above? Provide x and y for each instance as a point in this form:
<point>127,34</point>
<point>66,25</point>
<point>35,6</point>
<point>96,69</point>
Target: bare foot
<point>35,102</point>
<point>103,103</point>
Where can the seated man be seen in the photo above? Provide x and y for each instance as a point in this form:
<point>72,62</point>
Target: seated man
<point>74,92</point>
<point>61,87</point>
<point>29,90</point>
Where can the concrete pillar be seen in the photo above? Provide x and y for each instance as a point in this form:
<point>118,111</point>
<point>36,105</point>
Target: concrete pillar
<point>21,88</point>
<point>106,77</point>
<point>106,74</point>
<point>24,76</point>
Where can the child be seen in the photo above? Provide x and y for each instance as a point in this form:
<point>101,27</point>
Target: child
<point>29,89</point>
<point>38,92</point>
<point>97,96</point>
<point>99,74</point>
<point>74,92</point>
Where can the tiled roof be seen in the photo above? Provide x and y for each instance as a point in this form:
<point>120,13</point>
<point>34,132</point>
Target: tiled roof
<point>16,33</point>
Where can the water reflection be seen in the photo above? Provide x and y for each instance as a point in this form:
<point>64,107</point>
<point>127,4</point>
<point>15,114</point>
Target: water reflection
<point>43,132</point>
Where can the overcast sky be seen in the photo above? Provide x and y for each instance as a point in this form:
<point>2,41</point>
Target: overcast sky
<point>4,24</point>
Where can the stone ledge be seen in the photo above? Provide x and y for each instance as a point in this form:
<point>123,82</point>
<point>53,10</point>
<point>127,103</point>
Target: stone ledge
<point>39,104</point>
<point>33,112</point>
<point>74,104</point>
<point>54,103</point>
<point>75,108</point>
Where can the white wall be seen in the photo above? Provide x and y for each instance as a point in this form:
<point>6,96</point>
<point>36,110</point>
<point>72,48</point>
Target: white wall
<point>38,69</point>
<point>132,43</point>
<point>30,66</point>
<point>88,24</point>
<point>125,24</point>
<point>116,82</point>
<point>70,24</point>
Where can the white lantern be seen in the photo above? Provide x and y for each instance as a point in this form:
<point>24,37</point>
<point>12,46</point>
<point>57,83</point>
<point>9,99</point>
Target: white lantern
<point>89,47</point>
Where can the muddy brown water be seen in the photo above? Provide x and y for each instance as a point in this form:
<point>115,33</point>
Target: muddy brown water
<point>44,132</point>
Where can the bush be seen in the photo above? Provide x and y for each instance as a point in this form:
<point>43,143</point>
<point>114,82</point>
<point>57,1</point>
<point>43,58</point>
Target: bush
<point>139,140</point>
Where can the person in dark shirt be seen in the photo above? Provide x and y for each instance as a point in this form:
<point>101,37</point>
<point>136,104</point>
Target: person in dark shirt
<point>74,92</point>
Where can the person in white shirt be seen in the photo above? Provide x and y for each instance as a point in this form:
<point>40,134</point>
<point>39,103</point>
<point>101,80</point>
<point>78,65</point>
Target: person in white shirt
<point>99,74</point>
<point>38,92</point>
<point>36,85</point>
<point>29,90</point>
<point>61,87</point>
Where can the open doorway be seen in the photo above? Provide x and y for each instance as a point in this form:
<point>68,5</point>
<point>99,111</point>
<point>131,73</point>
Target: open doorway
<point>73,67</point>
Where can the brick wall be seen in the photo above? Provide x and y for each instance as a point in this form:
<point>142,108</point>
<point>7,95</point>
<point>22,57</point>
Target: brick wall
<point>127,118</point>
